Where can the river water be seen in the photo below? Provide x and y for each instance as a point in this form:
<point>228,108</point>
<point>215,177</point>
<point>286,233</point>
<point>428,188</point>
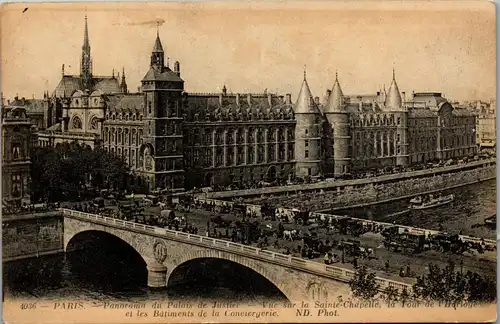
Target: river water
<point>115,275</point>
<point>472,205</point>
<point>112,273</point>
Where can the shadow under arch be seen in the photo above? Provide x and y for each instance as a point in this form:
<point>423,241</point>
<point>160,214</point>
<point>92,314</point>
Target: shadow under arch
<point>103,262</point>
<point>213,276</point>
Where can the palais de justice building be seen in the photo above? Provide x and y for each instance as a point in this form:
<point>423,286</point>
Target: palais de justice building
<point>175,139</point>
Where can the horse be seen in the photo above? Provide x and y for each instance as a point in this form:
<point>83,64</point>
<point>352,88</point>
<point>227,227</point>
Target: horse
<point>289,234</point>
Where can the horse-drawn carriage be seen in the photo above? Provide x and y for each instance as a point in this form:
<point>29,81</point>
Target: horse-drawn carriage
<point>354,249</point>
<point>219,221</point>
<point>349,226</point>
<point>448,243</point>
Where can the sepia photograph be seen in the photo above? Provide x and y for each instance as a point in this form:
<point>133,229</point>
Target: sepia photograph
<point>251,162</point>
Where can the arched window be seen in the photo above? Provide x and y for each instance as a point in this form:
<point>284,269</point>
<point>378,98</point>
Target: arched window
<point>76,123</point>
<point>94,123</point>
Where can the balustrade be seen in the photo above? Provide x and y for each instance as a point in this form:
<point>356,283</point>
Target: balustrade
<point>337,272</point>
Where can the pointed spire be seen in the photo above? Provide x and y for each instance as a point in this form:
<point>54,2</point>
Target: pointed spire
<point>86,62</point>
<point>335,102</point>
<point>393,100</point>
<point>305,104</point>
<point>86,43</point>
<point>158,47</point>
<point>123,84</point>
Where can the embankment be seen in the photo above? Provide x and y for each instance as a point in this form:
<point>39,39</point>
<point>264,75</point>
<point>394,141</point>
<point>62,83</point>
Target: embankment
<point>368,194</point>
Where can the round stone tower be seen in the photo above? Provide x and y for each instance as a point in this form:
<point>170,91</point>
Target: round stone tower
<point>339,130</point>
<point>308,133</point>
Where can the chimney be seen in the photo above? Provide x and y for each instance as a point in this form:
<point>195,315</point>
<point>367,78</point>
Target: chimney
<point>238,99</point>
<point>177,68</point>
<point>311,101</point>
<point>316,100</point>
<point>249,99</point>
<point>281,99</point>
<point>328,92</point>
<point>288,99</point>
<point>139,89</point>
<point>270,99</point>
<point>404,98</point>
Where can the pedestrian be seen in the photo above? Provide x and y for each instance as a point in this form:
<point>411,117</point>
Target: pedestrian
<point>355,263</point>
<point>408,272</point>
<point>326,258</point>
<point>401,272</point>
<point>387,266</point>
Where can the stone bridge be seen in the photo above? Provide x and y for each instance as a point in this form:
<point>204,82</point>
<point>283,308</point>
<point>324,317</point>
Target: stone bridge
<point>163,251</point>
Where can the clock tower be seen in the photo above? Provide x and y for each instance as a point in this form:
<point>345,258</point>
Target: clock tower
<point>162,151</point>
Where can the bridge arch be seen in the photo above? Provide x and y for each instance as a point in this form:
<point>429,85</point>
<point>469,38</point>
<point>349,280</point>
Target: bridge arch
<point>118,263</point>
<point>96,237</point>
<point>239,260</point>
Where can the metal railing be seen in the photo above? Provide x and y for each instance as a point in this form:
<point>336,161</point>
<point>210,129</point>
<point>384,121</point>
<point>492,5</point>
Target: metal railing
<point>337,273</point>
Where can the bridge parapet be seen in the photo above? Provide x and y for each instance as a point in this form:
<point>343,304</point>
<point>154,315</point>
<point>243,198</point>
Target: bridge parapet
<point>311,267</point>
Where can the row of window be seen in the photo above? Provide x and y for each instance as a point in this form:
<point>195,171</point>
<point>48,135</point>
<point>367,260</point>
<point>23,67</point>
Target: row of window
<point>254,155</point>
<point>240,116</point>
<point>124,116</point>
<point>123,136</point>
<point>237,136</point>
<point>169,109</point>
<point>376,120</point>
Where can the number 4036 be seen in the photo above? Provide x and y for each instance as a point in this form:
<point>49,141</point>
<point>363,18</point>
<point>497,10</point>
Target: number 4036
<point>28,306</point>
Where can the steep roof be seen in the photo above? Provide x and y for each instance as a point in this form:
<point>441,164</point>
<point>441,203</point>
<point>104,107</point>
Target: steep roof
<point>336,100</point>
<point>107,85</point>
<point>71,83</point>
<point>217,106</point>
<point>304,103</point>
<point>158,47</point>
<point>68,85</point>
<point>166,75</point>
<point>126,102</point>
<point>393,100</point>
<point>421,113</point>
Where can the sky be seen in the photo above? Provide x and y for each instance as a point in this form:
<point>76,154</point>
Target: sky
<point>252,46</point>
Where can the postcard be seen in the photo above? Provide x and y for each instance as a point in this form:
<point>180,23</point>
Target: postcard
<point>248,162</point>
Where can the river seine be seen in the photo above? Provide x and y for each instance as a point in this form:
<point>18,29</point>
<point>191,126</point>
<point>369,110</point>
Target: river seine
<point>116,274</point>
<point>472,205</point>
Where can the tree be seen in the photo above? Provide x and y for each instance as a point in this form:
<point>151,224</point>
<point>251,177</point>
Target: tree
<point>364,285</point>
<point>448,285</point>
<point>70,169</point>
<point>391,293</point>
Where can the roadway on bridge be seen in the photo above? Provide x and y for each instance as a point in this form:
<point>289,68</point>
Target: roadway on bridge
<point>484,264</point>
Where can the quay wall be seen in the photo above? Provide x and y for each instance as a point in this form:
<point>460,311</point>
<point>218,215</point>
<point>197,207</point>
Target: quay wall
<point>338,185</point>
<point>373,193</point>
<point>31,235</point>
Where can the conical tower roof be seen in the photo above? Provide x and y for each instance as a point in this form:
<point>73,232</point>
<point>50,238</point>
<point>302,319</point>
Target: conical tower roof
<point>393,100</point>
<point>305,104</point>
<point>158,47</point>
<point>336,100</point>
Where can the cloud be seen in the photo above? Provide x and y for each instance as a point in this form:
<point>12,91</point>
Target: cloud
<point>148,23</point>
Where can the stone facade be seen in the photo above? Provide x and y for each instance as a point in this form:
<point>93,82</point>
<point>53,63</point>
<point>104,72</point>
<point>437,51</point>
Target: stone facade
<point>179,140</point>
<point>163,256</point>
<point>27,236</point>
<point>17,139</point>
